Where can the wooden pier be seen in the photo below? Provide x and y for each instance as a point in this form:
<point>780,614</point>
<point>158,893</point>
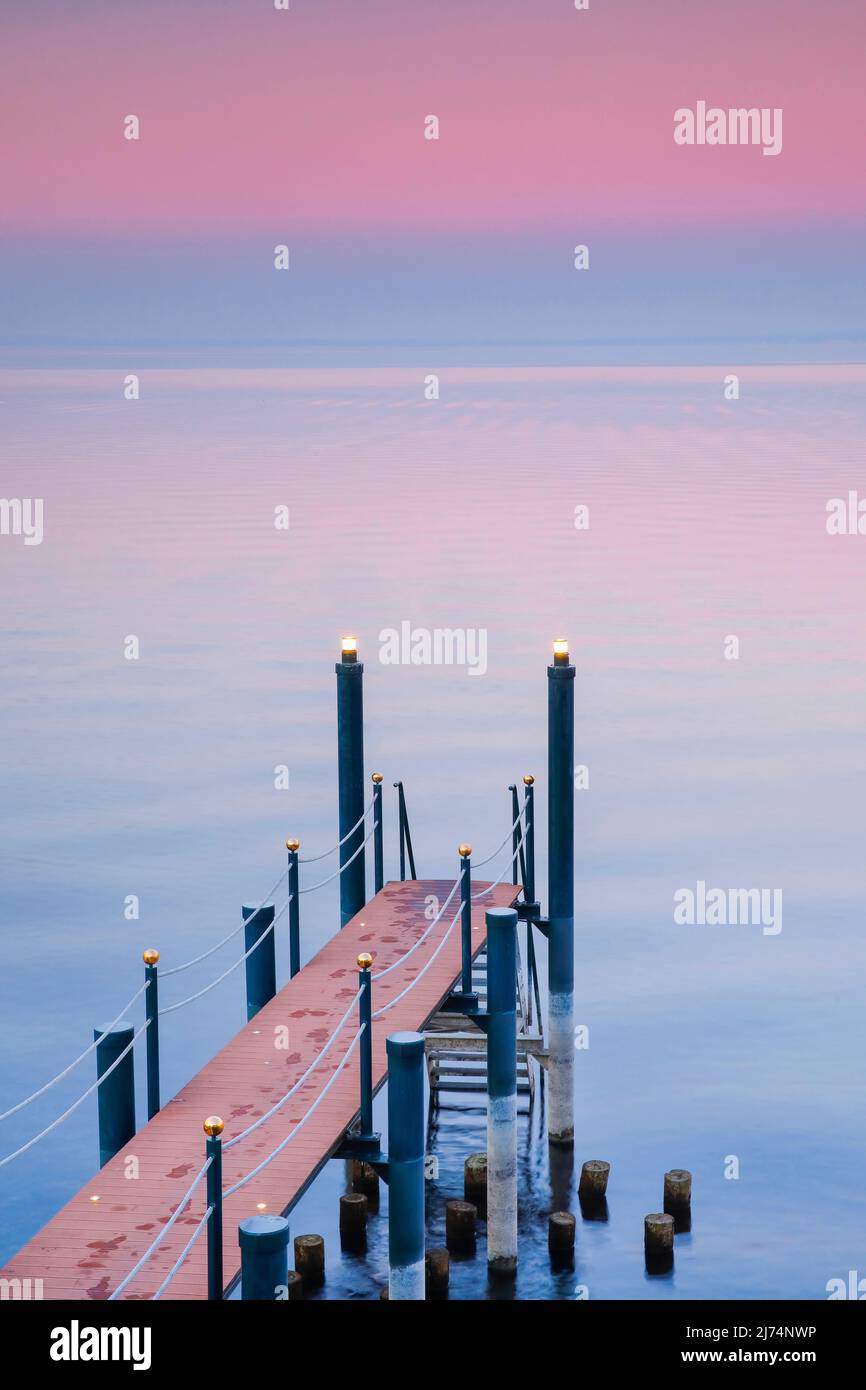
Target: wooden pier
<point>89,1247</point>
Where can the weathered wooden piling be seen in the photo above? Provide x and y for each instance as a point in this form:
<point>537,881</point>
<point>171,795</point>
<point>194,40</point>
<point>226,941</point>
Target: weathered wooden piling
<point>678,1199</point>
<point>264,1257</point>
<point>475,1181</point>
<point>560,867</point>
<point>501,1028</point>
<point>460,1219</point>
<point>593,1179</point>
<point>658,1241</point>
<point>261,964</point>
<point>350,762</point>
<point>116,1095</point>
<point>677,1190</point>
<point>561,1229</point>
<point>310,1260</point>
<point>364,1178</point>
<point>438,1267</point>
<point>353,1219</point>
<point>294,1286</point>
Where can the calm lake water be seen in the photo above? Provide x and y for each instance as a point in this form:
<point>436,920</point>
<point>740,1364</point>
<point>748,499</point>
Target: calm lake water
<point>155,777</point>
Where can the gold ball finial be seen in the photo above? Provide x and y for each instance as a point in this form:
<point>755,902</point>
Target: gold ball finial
<point>464,851</point>
<point>528,780</point>
<point>293,845</point>
<point>378,777</point>
<point>213,1125</point>
<point>365,960</point>
<point>150,956</point>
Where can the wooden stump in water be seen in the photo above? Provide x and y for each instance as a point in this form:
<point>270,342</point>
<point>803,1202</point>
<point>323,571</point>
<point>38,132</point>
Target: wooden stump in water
<point>310,1260</point>
<point>460,1219</point>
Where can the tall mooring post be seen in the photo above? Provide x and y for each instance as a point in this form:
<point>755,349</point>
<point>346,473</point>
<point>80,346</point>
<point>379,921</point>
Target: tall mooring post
<point>264,1242</point>
<point>116,1106</point>
<point>350,758</point>
<point>560,888</point>
<point>261,963</point>
<point>406,1166</point>
<point>501,1029</point>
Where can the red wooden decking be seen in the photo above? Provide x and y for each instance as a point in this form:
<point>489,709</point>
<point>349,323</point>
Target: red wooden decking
<point>89,1246</point>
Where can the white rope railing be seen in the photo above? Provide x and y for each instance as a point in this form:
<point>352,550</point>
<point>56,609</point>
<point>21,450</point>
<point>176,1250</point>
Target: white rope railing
<point>421,973</point>
<point>181,1206</point>
<point>481,862</point>
<point>13,1109</point>
<point>343,867</point>
<point>312,1110</point>
<point>176,969</point>
<point>314,858</point>
<point>89,1092</point>
<point>298,1084</point>
<point>170,1008</point>
<point>182,1256</point>
<point>380,974</point>
<point>482,893</point>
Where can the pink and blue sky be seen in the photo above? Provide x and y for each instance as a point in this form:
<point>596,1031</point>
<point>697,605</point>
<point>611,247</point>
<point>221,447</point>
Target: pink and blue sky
<point>306,127</point>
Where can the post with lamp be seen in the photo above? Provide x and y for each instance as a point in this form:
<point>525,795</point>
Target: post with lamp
<point>350,759</point>
<point>560,927</point>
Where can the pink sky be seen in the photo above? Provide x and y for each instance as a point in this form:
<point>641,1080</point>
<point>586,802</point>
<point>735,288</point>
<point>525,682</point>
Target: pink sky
<point>258,120</point>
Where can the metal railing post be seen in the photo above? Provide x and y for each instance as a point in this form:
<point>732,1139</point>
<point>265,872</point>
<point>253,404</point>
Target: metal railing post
<point>378,835</point>
<point>151,1041</point>
<point>515,835</point>
<point>365,1047</point>
<point>465,852</point>
<point>401,824</point>
<point>213,1128</point>
<point>294,909</point>
<point>261,964</point>
<point>405,837</point>
<point>529,826</point>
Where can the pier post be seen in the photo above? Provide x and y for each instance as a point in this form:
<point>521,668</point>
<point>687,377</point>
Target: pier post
<point>365,1049</point>
<point>378,835</point>
<point>406,1166</point>
<point>264,1242</point>
<point>213,1128</point>
<point>515,835</point>
<point>529,830</point>
<point>350,758</point>
<point>560,951</point>
<point>501,1028</point>
<point>151,1041</point>
<point>116,1104</point>
<point>293,846</point>
<point>261,965</point>
<point>465,852</point>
